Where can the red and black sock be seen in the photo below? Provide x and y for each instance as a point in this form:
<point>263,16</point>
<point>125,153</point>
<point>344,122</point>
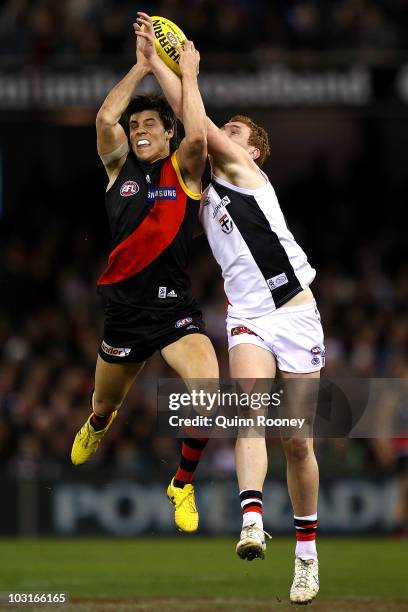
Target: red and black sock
<point>252,507</point>
<point>306,530</point>
<point>191,451</point>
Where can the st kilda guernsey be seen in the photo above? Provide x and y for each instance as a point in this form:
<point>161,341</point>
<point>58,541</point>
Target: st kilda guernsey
<point>152,215</point>
<point>262,264</point>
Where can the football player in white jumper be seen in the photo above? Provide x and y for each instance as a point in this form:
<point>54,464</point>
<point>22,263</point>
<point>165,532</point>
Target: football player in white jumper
<point>273,323</point>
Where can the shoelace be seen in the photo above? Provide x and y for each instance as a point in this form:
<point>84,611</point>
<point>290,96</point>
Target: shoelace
<point>85,435</point>
<point>304,574</point>
<point>189,499</point>
<point>251,531</point>
<point>190,502</point>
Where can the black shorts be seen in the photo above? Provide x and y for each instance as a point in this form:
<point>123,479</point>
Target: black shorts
<point>132,338</point>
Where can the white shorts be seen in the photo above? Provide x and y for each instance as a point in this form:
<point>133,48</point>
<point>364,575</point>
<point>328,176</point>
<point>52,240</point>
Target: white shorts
<point>294,335</point>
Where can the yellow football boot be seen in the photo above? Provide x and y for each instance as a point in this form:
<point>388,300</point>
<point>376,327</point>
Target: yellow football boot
<point>185,515</point>
<point>87,441</point>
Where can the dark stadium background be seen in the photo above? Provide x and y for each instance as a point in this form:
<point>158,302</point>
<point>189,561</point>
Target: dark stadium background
<point>334,99</point>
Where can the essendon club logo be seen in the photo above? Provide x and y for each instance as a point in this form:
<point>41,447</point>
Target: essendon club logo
<point>129,188</point>
<point>226,224</point>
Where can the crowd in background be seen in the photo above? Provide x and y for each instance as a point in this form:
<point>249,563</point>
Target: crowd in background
<point>50,317</point>
<point>51,325</point>
<point>43,30</point>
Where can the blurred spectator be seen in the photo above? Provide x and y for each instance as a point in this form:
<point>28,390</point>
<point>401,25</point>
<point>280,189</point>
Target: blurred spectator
<point>50,323</point>
<point>47,354</point>
<point>43,30</point>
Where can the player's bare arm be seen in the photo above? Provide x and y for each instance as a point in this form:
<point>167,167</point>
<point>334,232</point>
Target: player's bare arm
<point>168,80</point>
<point>112,142</point>
<point>192,152</point>
<point>230,161</point>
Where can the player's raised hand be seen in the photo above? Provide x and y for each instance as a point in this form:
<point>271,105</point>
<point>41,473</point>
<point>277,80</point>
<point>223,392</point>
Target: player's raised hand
<point>145,47</point>
<point>189,59</point>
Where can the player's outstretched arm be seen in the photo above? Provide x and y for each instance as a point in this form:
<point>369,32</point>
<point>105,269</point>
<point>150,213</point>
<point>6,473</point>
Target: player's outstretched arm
<point>168,80</point>
<point>184,98</point>
<point>192,152</point>
<point>112,143</point>
<point>224,150</point>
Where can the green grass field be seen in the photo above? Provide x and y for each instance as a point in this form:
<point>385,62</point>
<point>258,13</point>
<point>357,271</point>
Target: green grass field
<point>197,573</point>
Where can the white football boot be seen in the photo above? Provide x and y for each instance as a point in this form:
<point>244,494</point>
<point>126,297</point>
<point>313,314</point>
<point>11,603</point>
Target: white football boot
<point>305,584</point>
<point>252,543</point>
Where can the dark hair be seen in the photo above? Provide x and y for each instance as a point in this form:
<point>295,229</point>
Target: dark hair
<point>155,103</point>
<point>258,137</point>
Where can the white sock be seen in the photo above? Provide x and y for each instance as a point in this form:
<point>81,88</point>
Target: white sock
<point>249,518</point>
<point>306,549</point>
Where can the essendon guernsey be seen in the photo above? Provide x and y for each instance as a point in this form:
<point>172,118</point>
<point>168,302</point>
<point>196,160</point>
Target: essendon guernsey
<point>152,216</point>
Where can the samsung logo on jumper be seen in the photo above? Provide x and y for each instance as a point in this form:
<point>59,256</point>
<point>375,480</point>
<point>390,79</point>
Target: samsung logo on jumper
<point>184,322</point>
<point>129,188</point>
<point>114,350</point>
<point>221,204</point>
<point>162,193</point>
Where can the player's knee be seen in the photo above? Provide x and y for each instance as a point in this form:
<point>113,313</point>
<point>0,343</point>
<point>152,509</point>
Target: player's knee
<point>203,365</point>
<point>211,367</point>
<point>296,449</point>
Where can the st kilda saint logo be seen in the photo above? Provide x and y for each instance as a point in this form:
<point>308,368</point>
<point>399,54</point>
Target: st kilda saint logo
<point>226,224</point>
<point>129,188</point>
